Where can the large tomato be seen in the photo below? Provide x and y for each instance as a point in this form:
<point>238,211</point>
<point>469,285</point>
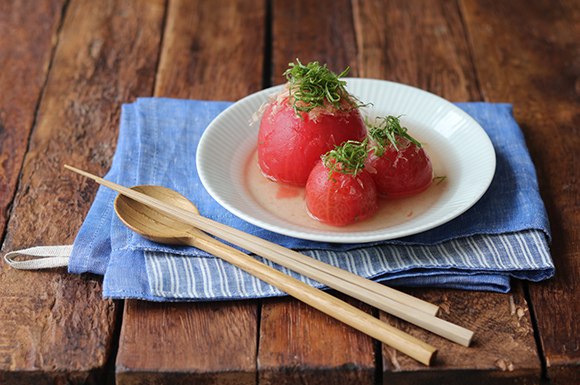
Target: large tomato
<point>289,146</point>
<point>403,172</point>
<point>340,199</point>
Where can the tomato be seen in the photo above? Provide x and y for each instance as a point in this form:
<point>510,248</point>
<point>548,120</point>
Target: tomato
<point>401,173</point>
<point>342,198</point>
<point>289,146</point>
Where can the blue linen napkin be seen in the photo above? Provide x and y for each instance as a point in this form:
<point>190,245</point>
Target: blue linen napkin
<point>506,234</point>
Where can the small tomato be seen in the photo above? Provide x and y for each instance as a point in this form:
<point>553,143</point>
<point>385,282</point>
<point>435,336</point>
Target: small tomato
<point>340,193</point>
<point>289,147</point>
<point>313,114</point>
<point>400,164</point>
<point>400,173</point>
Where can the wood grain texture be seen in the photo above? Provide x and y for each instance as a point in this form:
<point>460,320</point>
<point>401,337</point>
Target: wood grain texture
<point>212,56</point>
<point>529,55</point>
<point>28,31</point>
<point>55,327</point>
<point>212,50</point>
<point>299,344</point>
<point>184,343</point>
<point>419,43</point>
<point>291,348</point>
<point>424,45</point>
<point>312,31</point>
<point>503,350</point>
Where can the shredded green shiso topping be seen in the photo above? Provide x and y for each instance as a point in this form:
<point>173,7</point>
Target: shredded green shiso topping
<point>310,84</point>
<point>439,179</point>
<point>385,132</point>
<point>352,156</point>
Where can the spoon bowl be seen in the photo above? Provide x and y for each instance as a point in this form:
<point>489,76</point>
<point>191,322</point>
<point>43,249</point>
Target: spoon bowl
<point>151,223</point>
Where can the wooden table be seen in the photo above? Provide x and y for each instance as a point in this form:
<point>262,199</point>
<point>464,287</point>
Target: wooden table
<point>66,67</point>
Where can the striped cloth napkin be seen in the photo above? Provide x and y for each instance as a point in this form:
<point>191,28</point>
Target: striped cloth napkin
<point>505,235</point>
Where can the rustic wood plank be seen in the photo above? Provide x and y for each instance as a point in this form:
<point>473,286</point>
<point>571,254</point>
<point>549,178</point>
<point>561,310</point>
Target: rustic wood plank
<point>423,44</point>
<point>312,31</point>
<point>420,43</point>
<point>503,350</point>
<point>27,36</point>
<point>298,344</point>
<point>213,56</point>
<point>184,343</point>
<point>528,54</point>
<point>55,327</point>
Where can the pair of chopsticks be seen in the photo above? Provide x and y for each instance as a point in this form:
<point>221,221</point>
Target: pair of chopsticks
<point>399,304</point>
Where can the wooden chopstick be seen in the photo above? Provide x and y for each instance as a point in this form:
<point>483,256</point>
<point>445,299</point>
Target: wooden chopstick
<point>296,262</point>
<point>391,301</point>
<point>318,299</point>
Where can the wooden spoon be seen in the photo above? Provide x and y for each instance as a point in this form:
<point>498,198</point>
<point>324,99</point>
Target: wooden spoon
<point>159,227</point>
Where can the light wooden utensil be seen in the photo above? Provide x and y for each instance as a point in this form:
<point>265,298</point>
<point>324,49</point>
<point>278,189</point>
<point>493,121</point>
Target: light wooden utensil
<point>154,225</point>
<point>392,301</point>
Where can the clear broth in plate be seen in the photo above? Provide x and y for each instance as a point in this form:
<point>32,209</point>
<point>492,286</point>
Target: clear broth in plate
<point>289,202</point>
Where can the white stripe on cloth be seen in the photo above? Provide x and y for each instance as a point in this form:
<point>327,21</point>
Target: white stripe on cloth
<point>485,254</point>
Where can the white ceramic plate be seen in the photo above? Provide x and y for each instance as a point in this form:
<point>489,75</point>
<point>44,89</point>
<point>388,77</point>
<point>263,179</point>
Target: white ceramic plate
<point>467,153</point>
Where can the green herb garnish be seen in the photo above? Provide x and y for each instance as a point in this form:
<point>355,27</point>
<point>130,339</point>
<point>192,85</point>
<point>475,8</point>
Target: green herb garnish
<point>440,179</point>
<point>386,132</point>
<point>312,83</point>
<point>347,159</point>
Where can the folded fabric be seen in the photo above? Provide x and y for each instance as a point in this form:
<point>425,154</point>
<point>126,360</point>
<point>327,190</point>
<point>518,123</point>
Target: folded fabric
<point>506,234</point>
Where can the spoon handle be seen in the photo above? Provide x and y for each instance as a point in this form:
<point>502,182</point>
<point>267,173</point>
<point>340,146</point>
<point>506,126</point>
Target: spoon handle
<point>319,299</point>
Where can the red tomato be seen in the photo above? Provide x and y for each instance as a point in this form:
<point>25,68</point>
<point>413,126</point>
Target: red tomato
<point>343,198</point>
<point>289,147</point>
<point>401,173</point>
